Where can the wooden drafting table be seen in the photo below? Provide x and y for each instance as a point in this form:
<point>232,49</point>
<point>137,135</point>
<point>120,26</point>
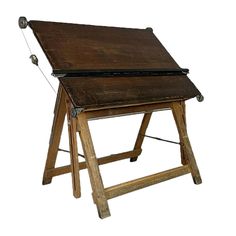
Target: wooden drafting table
<point>105,72</point>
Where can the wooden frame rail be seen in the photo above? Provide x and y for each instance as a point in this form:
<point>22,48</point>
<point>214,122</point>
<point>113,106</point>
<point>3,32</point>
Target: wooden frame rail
<point>129,110</point>
<point>130,186</point>
<point>101,161</point>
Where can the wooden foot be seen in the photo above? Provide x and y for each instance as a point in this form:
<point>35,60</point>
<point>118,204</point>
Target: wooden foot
<point>178,113</point>
<point>92,165</point>
<point>141,133</point>
<point>72,123</point>
<point>59,117</point>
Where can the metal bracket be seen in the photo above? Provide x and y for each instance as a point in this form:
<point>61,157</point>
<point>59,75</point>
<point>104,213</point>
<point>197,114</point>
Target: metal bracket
<point>75,111</point>
<point>22,22</point>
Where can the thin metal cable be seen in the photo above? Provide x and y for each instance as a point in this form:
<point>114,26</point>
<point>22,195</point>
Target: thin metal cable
<point>63,150</point>
<point>161,139</point>
<point>36,64</point>
<point>26,42</point>
<point>47,79</point>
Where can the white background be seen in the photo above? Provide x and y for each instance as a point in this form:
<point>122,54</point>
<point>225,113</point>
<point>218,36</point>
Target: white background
<point>200,35</point>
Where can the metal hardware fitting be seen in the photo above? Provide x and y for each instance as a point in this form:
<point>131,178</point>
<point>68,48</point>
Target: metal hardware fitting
<point>22,22</point>
<point>200,98</point>
<point>58,75</point>
<point>34,59</point>
<point>75,112</point>
<point>120,72</point>
<point>149,29</point>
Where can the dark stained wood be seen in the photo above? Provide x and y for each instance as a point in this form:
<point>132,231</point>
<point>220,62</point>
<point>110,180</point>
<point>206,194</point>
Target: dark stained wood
<point>75,46</point>
<point>98,92</point>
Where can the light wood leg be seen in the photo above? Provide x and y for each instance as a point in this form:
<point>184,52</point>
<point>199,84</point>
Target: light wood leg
<point>92,165</point>
<point>141,133</point>
<point>58,121</point>
<point>178,113</point>
<point>72,123</point>
<point>183,155</point>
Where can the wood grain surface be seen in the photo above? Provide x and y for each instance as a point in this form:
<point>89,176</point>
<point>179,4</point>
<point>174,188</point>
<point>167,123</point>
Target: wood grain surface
<point>71,47</point>
<point>75,46</point>
<point>97,92</point>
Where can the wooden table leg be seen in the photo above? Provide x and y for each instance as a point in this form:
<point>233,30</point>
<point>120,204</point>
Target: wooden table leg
<point>72,127</point>
<point>141,133</point>
<point>182,152</point>
<point>178,113</point>
<point>92,165</point>
<point>58,121</point>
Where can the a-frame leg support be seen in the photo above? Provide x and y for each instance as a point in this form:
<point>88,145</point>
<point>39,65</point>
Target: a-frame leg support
<point>179,116</point>
<point>59,116</point>
<point>141,133</point>
<point>92,165</point>
<point>58,121</point>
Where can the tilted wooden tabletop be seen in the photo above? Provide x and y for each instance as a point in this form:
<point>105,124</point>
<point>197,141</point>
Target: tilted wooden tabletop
<point>75,47</point>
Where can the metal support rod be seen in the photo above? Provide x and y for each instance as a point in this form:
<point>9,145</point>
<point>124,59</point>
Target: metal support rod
<point>121,72</point>
<point>161,139</point>
<point>63,150</point>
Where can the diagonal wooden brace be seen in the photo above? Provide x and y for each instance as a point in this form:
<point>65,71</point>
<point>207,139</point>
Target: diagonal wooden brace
<point>92,165</point>
<point>141,133</point>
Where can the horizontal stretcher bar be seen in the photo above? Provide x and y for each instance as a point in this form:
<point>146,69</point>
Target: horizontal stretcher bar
<point>120,72</point>
<point>127,110</point>
<point>103,160</point>
<point>130,186</point>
